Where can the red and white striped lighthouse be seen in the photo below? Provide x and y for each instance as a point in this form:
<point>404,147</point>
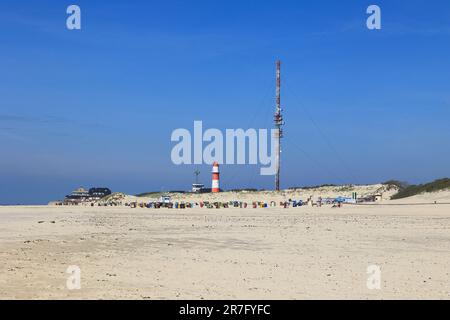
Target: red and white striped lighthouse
<point>215,178</point>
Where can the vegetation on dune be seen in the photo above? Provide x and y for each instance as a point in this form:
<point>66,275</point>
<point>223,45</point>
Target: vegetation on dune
<point>205,190</point>
<point>148,194</point>
<point>244,190</point>
<point>349,187</point>
<point>112,196</point>
<point>312,187</point>
<point>396,183</point>
<point>156,193</point>
<point>406,191</point>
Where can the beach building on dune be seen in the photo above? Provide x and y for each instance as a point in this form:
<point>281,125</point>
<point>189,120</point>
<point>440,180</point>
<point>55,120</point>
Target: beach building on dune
<point>77,196</point>
<point>98,193</point>
<point>81,195</point>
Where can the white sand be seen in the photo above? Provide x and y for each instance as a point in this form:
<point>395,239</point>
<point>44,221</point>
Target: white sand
<point>295,253</point>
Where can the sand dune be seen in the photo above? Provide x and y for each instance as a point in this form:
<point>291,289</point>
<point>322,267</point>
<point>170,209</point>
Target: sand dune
<point>438,197</point>
<point>267,196</point>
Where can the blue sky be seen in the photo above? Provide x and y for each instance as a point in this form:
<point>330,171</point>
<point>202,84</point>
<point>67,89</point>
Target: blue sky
<point>96,107</point>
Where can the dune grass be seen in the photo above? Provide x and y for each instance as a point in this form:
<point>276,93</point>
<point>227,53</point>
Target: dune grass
<point>412,190</point>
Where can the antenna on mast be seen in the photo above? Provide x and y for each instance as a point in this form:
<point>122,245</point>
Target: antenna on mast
<point>278,119</point>
<point>196,173</point>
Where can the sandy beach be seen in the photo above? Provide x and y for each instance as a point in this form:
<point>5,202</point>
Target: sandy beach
<point>273,253</point>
